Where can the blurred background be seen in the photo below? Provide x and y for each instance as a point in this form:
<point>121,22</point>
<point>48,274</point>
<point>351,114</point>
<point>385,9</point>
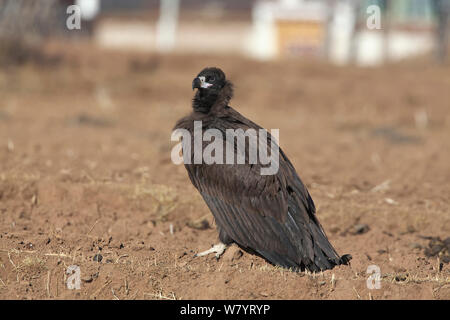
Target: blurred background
<point>90,91</point>
<point>364,32</point>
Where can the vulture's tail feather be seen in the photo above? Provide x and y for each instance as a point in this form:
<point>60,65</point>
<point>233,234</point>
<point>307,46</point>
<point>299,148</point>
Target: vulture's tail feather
<point>321,254</point>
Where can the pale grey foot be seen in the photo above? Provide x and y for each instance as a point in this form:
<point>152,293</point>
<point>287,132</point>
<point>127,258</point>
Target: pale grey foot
<point>218,249</point>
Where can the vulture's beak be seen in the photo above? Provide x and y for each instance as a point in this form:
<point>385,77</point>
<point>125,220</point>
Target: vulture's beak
<point>200,82</point>
<point>196,83</point>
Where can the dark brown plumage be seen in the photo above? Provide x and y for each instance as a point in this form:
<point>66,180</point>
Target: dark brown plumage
<point>270,215</point>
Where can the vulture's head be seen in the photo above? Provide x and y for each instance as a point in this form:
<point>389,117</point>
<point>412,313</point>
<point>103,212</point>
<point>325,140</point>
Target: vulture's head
<point>213,88</point>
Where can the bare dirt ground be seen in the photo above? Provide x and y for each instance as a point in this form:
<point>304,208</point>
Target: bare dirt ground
<point>86,177</point>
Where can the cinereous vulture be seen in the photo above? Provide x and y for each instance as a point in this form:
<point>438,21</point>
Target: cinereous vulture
<point>273,215</point>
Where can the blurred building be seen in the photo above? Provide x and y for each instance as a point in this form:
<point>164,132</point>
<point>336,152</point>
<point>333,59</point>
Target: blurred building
<point>343,31</point>
<point>339,30</point>
<point>198,27</point>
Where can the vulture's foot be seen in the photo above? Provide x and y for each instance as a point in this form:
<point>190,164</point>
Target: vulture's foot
<point>218,249</point>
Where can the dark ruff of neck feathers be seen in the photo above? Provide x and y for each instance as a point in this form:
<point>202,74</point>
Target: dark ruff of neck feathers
<point>213,102</point>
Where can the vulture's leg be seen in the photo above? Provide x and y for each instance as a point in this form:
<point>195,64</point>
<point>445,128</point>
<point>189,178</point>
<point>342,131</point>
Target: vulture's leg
<point>218,249</point>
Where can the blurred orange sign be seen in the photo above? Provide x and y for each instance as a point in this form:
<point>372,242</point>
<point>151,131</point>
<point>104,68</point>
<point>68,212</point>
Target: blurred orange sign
<point>296,38</point>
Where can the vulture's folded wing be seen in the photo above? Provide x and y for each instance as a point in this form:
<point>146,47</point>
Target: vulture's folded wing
<point>272,215</point>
